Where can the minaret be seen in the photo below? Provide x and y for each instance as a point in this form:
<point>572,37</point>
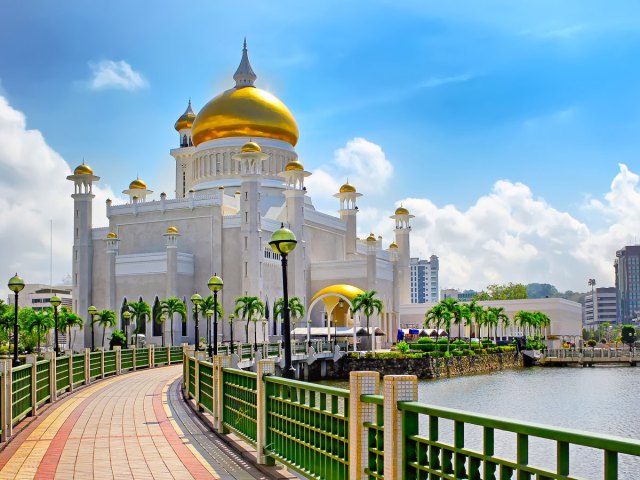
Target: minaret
<point>294,175</point>
<point>171,285</point>
<point>183,126</point>
<point>372,271</point>
<point>244,76</point>
<point>402,230</point>
<point>348,211</point>
<point>112,241</point>
<point>137,191</point>
<point>82,179</point>
<point>250,158</point>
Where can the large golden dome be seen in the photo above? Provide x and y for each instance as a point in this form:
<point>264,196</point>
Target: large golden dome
<point>245,111</point>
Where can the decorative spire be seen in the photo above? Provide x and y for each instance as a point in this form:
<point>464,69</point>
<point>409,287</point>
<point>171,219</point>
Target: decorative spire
<point>244,75</point>
<point>189,110</point>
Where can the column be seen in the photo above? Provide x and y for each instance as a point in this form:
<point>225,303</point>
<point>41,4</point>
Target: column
<point>360,383</point>
<point>397,388</point>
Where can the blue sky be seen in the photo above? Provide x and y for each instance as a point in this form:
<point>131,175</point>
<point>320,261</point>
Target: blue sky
<point>458,95</point>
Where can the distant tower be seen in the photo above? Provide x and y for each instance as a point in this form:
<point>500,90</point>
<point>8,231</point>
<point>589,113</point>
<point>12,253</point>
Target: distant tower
<point>112,241</point>
<point>372,271</point>
<point>82,179</point>
<point>402,217</point>
<point>251,158</point>
<point>294,175</point>
<point>183,154</point>
<point>171,286</point>
<point>348,211</point>
<point>137,191</point>
<point>183,126</point>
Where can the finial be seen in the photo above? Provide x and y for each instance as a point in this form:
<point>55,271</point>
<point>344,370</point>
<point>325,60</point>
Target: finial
<point>245,43</point>
<point>244,76</point>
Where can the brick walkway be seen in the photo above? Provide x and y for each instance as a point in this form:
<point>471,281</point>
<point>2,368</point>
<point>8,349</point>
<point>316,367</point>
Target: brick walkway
<point>131,427</point>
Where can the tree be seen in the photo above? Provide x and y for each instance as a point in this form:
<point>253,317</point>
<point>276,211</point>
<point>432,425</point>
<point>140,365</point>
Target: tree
<point>209,304</point>
<point>467,316</point>
<point>106,319</point>
<point>480,316</point>
<point>247,308</point>
<point>140,312</point>
<point>523,319</point>
<point>438,316</point>
<point>68,320</point>
<point>296,310</point>
<point>171,306</point>
<point>452,305</point>
<point>40,321</point>
<point>628,335</point>
<point>541,290</point>
<point>508,291</point>
<point>369,304</point>
<point>495,317</point>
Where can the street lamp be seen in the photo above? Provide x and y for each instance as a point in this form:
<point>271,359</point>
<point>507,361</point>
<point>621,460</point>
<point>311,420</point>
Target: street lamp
<point>197,300</point>
<point>209,314</point>
<point>283,241</point>
<point>55,303</point>
<point>127,316</point>
<point>92,311</point>
<point>16,284</point>
<point>215,285</point>
<point>231,319</point>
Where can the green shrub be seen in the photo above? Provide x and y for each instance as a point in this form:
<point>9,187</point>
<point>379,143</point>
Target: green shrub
<point>592,343</point>
<point>425,347</point>
<point>458,353</point>
<point>443,347</point>
<point>426,340</point>
<point>442,340</point>
<point>403,347</point>
<point>436,354</point>
<point>117,339</point>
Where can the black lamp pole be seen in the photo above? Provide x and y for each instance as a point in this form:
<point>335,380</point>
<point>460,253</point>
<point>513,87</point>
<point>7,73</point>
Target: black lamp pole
<point>16,362</point>
<point>197,308</point>
<point>55,303</point>
<point>231,318</point>
<point>289,372</point>
<point>209,346</point>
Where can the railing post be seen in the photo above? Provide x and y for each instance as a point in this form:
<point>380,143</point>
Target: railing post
<point>102,363</point>
<point>397,388</point>
<point>196,381</point>
<point>53,375</point>
<point>222,361</point>
<point>169,355</point>
<point>5,400</point>
<point>360,383</point>
<point>185,375</point>
<point>87,366</point>
<point>118,351</point>
<point>70,356</point>
<point>31,359</point>
<point>265,367</point>
<point>152,356</point>
<point>133,357</point>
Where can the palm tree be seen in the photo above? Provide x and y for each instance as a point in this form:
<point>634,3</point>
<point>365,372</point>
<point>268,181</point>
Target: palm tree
<point>369,304</point>
<point>480,316</point>
<point>106,318</point>
<point>140,312</point>
<point>40,321</point>
<point>467,316</point>
<point>296,310</point>
<point>436,316</point>
<point>495,317</point>
<point>523,319</point>
<point>169,307</point>
<point>247,308</point>
<point>454,308</point>
<point>209,304</point>
<point>68,320</point>
<point>543,321</point>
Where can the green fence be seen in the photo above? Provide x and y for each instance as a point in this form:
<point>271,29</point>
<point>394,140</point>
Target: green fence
<point>126,359</point>
<point>43,392</point>
<point>205,386</point>
<point>110,362</point>
<point>176,354</point>
<point>161,355</point>
<point>239,402</point>
<point>95,365</point>
<point>142,357</point>
<point>21,390</point>
<point>78,369</point>
<point>308,427</point>
<point>191,388</point>
<point>62,374</point>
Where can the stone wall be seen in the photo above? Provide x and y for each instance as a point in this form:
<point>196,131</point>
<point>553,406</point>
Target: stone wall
<point>425,367</point>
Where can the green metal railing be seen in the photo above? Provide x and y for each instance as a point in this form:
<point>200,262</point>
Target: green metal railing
<point>308,427</point>
<point>239,402</point>
<point>176,354</point>
<point>245,351</point>
<point>142,357</point>
<point>110,360</point>
<point>375,438</point>
<point>191,387</point>
<point>43,392</point>
<point>95,367</point>
<point>126,359</point>
<point>21,401</point>
<point>78,369</point>
<point>272,350</point>
<point>62,374</point>
<point>161,355</point>
<point>205,386</point>
<point>299,348</point>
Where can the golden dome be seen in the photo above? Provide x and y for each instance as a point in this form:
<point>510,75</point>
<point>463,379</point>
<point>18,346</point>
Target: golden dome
<point>294,165</point>
<point>237,192</point>
<point>251,147</point>
<point>393,245</point>
<point>172,229</point>
<point>83,169</point>
<point>186,119</point>
<point>402,211</point>
<point>371,238</point>
<point>347,188</point>
<point>112,235</point>
<point>220,187</point>
<point>137,184</point>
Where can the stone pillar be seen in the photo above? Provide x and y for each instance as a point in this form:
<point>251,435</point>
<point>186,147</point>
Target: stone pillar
<point>118,351</point>
<point>102,363</point>
<point>397,388</point>
<point>264,367</point>
<point>360,383</point>
<point>53,387</point>
<point>221,361</point>
<point>31,360</point>
<point>152,356</point>
<point>133,358</point>
<point>5,400</point>
<point>70,370</point>
<point>196,381</point>
<point>87,366</point>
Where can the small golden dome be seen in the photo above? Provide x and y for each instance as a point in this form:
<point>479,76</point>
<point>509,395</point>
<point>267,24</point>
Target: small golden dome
<point>402,211</point>
<point>393,245</point>
<point>237,192</point>
<point>137,184</point>
<point>83,169</point>
<point>186,119</point>
<point>112,235</point>
<point>371,238</point>
<point>294,165</point>
<point>251,147</point>
<point>347,188</point>
<point>172,229</point>
<point>220,187</point>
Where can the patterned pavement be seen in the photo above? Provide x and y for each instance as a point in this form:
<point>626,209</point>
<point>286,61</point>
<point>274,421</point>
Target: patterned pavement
<point>135,426</point>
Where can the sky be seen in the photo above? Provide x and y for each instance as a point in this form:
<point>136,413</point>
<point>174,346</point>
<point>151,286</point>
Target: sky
<point>509,129</point>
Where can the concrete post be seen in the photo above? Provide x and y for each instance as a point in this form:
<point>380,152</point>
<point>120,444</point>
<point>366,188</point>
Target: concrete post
<point>264,367</point>
<point>360,383</point>
<point>185,375</point>
<point>53,384</point>
<point>102,363</point>
<point>397,388</point>
<point>151,351</point>
<point>70,352</point>
<point>87,366</point>
<point>5,400</point>
<point>196,381</point>
<point>222,361</point>
<point>133,357</point>
<point>118,351</point>
<point>32,358</point>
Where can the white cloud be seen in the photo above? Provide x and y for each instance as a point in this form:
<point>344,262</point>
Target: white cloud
<point>34,192</point>
<point>109,74</point>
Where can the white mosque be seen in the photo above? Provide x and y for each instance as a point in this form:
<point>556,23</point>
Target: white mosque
<point>238,177</point>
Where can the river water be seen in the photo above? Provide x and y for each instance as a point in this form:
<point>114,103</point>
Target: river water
<point>600,400</point>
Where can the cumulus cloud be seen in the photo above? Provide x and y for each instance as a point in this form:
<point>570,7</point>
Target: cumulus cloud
<point>34,192</point>
<point>118,75</point>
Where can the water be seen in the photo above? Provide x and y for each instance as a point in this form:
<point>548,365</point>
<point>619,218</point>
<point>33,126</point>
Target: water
<point>601,400</point>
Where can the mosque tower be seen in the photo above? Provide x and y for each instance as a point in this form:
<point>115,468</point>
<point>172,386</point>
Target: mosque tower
<point>83,196</point>
<point>348,211</point>
<point>403,229</point>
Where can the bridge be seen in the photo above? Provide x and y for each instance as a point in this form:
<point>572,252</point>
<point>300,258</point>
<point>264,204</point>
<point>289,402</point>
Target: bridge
<point>589,357</point>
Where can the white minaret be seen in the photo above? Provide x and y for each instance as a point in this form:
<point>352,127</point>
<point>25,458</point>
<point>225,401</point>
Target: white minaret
<point>82,179</point>
<point>348,211</point>
<point>402,230</point>
<point>183,154</point>
<point>294,175</point>
<point>372,271</point>
<point>250,158</point>
<point>171,285</point>
<point>183,126</point>
<point>112,241</point>
<point>137,191</point>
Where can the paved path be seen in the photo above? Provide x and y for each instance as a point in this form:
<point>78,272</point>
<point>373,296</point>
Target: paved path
<point>134,426</point>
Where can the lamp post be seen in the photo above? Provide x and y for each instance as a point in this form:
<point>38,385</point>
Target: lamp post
<point>55,303</point>
<point>127,316</point>
<point>215,285</point>
<point>92,311</point>
<point>264,330</point>
<point>209,314</point>
<point>197,300</point>
<point>16,284</point>
<point>231,319</point>
<point>283,242</point>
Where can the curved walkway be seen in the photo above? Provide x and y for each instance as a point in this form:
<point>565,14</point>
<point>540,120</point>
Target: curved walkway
<point>134,426</point>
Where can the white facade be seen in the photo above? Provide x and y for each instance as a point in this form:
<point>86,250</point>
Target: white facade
<point>424,280</point>
<point>230,197</point>
<point>38,296</point>
<point>606,307</point>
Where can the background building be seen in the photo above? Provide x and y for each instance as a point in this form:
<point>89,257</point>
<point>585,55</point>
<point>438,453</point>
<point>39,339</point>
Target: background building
<point>464,296</point>
<point>424,280</point>
<point>38,296</point>
<point>627,271</point>
<point>605,307</point>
